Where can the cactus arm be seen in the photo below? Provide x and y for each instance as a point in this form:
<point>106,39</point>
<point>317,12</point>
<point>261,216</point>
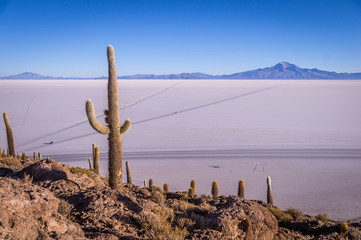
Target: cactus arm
<point>126,126</point>
<point>100,128</point>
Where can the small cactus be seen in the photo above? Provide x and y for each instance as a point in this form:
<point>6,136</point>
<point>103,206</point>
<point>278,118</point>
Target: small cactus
<point>113,128</point>
<point>165,187</point>
<point>269,191</point>
<point>96,160</point>
<point>129,173</point>
<point>34,156</point>
<point>191,192</point>
<point>93,150</point>
<point>39,156</point>
<point>193,185</point>
<point>9,134</point>
<point>215,189</point>
<point>150,182</point>
<point>90,163</point>
<point>145,183</point>
<point>241,187</point>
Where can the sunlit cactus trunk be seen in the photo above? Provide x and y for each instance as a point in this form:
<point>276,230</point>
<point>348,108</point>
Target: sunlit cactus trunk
<point>114,128</point>
<point>215,189</point>
<point>241,188</point>
<point>269,191</point>
<point>9,135</point>
<point>129,173</point>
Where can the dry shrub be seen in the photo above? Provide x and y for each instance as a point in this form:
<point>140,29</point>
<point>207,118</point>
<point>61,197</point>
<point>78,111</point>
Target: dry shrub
<point>205,208</point>
<point>27,179</point>
<point>182,206</point>
<point>188,208</point>
<point>80,170</point>
<point>296,214</point>
<point>281,216</point>
<point>65,208</point>
<point>157,197</point>
<point>185,223</point>
<point>322,217</point>
<point>158,224</point>
<point>10,161</point>
<point>155,188</point>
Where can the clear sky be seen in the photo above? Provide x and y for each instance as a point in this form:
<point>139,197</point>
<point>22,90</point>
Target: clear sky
<point>69,37</point>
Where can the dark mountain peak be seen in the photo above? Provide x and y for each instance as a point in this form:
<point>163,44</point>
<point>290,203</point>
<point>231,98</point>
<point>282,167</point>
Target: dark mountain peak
<point>30,75</point>
<point>285,66</point>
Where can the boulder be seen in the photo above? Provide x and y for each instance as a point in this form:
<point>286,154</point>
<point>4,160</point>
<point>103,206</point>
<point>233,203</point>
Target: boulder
<point>31,212</point>
<point>238,218</point>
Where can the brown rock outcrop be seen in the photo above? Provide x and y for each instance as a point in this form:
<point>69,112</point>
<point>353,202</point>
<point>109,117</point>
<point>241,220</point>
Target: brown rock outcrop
<point>31,212</point>
<point>237,218</point>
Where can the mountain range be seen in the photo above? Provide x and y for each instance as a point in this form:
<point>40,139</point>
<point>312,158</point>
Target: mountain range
<point>282,70</point>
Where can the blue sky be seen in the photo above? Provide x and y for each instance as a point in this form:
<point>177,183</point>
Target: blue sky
<point>69,37</point>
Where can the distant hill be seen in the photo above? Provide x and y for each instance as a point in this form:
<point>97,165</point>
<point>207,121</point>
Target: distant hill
<point>170,76</point>
<point>285,70</point>
<point>282,70</point>
<point>27,75</point>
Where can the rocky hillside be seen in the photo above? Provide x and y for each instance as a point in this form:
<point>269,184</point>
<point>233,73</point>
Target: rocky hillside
<point>46,199</point>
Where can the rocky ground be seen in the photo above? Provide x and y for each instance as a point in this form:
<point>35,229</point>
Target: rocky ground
<point>48,200</point>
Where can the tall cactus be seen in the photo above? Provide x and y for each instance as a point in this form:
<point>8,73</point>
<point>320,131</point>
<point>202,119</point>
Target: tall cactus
<point>269,191</point>
<point>114,128</point>
<point>9,134</point>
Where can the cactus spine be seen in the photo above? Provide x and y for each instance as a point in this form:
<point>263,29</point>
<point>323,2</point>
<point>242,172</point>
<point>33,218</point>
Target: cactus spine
<point>215,189</point>
<point>129,173</point>
<point>9,134</point>
<point>269,191</point>
<point>241,187</point>
<point>114,128</point>
<point>165,187</point>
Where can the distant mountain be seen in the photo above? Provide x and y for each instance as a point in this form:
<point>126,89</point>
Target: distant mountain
<point>27,75</point>
<point>169,76</point>
<point>285,70</point>
<point>282,70</point>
